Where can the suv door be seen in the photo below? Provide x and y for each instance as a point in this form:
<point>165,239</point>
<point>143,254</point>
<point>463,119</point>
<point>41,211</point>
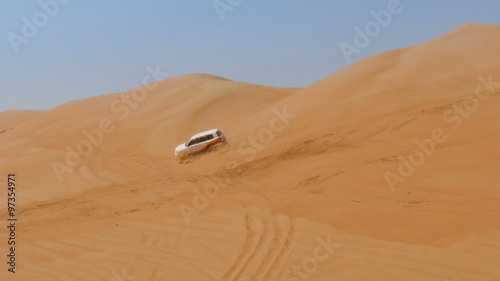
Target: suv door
<point>203,143</point>
<point>191,143</point>
<point>196,144</point>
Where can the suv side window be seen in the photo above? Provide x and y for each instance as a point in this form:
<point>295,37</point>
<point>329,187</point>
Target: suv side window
<point>202,139</point>
<point>191,142</point>
<point>209,137</point>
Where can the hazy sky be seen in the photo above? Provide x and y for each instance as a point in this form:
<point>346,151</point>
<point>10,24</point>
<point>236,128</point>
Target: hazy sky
<point>69,49</point>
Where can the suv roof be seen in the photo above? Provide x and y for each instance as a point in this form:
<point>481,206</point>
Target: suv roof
<point>209,132</point>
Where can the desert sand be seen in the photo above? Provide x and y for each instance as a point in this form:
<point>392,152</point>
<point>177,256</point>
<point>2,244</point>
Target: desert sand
<point>386,170</point>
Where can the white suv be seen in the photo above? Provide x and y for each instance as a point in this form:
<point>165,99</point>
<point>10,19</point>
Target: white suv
<point>200,142</point>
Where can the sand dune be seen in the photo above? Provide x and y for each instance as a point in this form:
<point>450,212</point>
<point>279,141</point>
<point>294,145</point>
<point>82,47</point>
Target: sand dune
<point>310,186</point>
